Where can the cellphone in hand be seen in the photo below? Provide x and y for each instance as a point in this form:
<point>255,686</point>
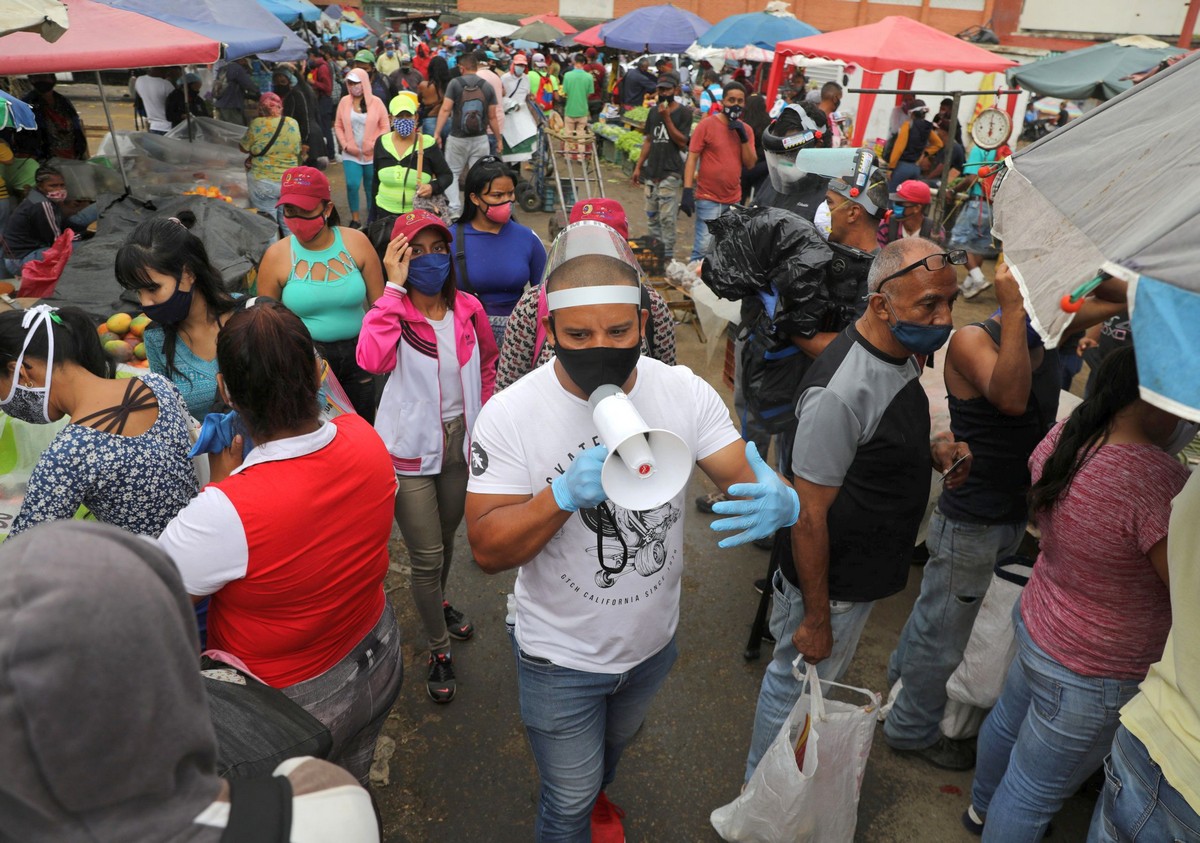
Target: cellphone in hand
<point>953,467</point>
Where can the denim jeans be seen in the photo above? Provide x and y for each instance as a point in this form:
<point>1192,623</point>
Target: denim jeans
<point>354,696</point>
<point>578,724</point>
<point>662,209</point>
<point>428,511</point>
<point>1138,804</point>
<point>904,171</point>
<point>461,154</point>
<point>961,558</point>
<point>264,193</point>
<point>706,210</point>
<point>1049,731</point>
<point>780,689</point>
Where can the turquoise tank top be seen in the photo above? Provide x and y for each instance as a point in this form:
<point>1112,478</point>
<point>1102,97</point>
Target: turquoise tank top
<point>326,290</point>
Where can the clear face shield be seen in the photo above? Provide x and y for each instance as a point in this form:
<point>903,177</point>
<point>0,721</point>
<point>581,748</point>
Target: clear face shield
<point>800,152</point>
<point>588,237</point>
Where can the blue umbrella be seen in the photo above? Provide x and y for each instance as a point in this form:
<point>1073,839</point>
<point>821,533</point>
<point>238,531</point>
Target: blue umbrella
<point>522,44</point>
<point>659,29</point>
<point>353,32</point>
<point>759,29</point>
<point>290,11</point>
<point>15,114</point>
<point>203,19</point>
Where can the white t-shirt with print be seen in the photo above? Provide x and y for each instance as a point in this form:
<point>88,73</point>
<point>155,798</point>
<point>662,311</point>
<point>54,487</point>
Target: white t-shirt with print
<point>570,610</point>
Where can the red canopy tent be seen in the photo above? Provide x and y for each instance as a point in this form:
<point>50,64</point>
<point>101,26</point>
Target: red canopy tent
<point>552,19</point>
<point>894,43</point>
<point>103,38</point>
<point>590,37</point>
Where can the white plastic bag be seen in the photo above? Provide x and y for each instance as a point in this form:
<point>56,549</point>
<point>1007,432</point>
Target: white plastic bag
<point>786,804</point>
<point>978,680</point>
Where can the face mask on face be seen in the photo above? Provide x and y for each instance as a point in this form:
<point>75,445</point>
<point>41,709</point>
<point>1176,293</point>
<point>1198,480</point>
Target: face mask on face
<point>355,89</point>
<point>282,89</point>
<point>501,212</point>
<point>172,311</point>
<point>590,368</point>
<point>898,210</point>
<point>56,195</point>
<point>734,112</point>
<point>404,126</point>
<point>518,69</point>
<point>918,338</point>
<point>43,87</point>
<point>428,273</point>
<point>305,228</point>
<point>27,403</point>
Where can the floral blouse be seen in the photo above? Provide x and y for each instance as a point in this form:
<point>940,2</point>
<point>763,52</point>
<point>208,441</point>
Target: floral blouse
<point>138,483</point>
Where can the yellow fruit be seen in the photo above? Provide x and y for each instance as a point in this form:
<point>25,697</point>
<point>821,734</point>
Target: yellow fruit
<point>139,324</point>
<point>119,350</point>
<point>139,351</point>
<point>119,323</point>
<point>109,336</point>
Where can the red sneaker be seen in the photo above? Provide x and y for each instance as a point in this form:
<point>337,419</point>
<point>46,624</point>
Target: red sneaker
<point>606,821</point>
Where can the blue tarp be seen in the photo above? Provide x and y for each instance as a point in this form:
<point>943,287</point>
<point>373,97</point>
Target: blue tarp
<point>258,33</point>
<point>290,11</point>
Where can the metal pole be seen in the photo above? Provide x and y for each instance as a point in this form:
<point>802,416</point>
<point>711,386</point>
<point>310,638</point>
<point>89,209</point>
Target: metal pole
<point>113,133</point>
<point>1189,24</point>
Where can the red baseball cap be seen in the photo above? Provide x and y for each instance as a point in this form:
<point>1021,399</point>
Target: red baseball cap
<point>607,211</point>
<point>590,52</point>
<point>413,222</point>
<point>913,191</point>
<point>304,187</point>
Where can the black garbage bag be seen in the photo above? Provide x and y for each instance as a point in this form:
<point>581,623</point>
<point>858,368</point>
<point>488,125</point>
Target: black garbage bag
<point>755,247</point>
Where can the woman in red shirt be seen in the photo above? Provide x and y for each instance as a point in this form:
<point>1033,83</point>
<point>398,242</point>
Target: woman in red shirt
<point>291,541</point>
<point>1096,612</point>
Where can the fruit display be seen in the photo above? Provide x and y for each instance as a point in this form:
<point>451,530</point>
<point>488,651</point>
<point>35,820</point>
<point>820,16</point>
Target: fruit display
<point>121,337</point>
<point>211,191</point>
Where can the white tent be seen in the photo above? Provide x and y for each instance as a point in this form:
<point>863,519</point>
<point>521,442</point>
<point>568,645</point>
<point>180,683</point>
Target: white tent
<point>478,28</point>
<point>46,17</point>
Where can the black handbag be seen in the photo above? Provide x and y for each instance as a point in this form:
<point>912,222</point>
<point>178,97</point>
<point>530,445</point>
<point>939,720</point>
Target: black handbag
<point>257,726</point>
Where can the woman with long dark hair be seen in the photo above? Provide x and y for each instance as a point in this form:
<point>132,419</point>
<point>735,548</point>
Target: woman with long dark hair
<point>292,541</point>
<point>361,120</point>
<point>755,116</point>
<point>495,257</point>
<point>438,378</point>
<point>1096,611</point>
<point>182,292</point>
<point>431,92</point>
<point>125,453</point>
<point>327,275</point>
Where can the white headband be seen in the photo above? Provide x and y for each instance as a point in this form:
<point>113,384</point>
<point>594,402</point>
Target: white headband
<point>581,296</point>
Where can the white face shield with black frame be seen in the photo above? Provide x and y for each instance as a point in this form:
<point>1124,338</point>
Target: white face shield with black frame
<point>793,156</point>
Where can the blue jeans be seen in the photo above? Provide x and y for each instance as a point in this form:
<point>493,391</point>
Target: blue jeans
<point>706,210</point>
<point>578,724</point>
<point>1049,731</point>
<point>904,171</point>
<point>973,228</point>
<point>264,193</point>
<point>780,689</point>
<point>662,210</point>
<point>1138,804</point>
<point>358,176</point>
<point>961,558</point>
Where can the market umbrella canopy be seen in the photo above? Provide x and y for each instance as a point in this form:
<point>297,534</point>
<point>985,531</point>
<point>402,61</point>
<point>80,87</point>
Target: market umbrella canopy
<point>48,18</point>
<point>537,32</point>
<point>15,114</point>
<point>129,40</point>
<point>478,28</point>
<point>590,37</point>
<point>759,29</point>
<point>1094,72</point>
<point>552,19</point>
<point>290,11</point>
<point>257,31</point>
<point>660,29</point>
<point>1114,192</point>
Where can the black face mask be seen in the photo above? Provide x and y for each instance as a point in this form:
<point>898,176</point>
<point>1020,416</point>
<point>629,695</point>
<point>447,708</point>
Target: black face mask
<point>43,87</point>
<point>282,90</point>
<point>590,368</point>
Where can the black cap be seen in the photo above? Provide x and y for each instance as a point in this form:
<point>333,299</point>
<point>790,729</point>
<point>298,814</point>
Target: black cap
<point>670,79</point>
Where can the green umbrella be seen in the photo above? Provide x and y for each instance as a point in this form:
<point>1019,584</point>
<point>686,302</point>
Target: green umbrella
<point>1094,72</point>
<point>539,32</point>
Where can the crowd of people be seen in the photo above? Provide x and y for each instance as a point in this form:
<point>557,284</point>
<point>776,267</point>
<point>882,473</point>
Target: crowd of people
<point>468,353</point>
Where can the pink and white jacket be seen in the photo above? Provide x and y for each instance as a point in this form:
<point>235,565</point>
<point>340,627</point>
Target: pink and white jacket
<point>397,338</point>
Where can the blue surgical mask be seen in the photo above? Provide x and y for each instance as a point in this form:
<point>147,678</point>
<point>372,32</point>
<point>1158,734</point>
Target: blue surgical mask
<point>916,337</point>
<point>898,210</point>
<point>428,273</point>
<point>404,126</point>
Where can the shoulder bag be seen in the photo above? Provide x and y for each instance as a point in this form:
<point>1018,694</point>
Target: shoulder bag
<point>278,128</point>
<point>435,203</point>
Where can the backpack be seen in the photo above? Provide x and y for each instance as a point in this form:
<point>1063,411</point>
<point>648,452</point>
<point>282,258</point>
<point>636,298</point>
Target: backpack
<point>544,96</point>
<point>221,83</point>
<point>472,113</point>
<point>771,374</point>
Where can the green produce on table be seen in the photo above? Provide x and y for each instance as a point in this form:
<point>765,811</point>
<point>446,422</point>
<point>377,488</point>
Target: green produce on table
<point>629,144</point>
<point>638,115</point>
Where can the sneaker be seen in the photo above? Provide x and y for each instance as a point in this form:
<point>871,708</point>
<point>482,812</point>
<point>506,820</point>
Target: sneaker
<point>971,288</point>
<point>457,624</point>
<point>606,821</point>
<point>945,753</point>
<point>972,822</point>
<point>441,685</point>
<point>704,503</point>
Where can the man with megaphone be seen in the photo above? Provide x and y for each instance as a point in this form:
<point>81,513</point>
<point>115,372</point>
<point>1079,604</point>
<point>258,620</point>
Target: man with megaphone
<point>578,473</point>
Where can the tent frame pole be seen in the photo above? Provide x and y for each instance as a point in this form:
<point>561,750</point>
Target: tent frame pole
<point>939,202</point>
<point>128,194</point>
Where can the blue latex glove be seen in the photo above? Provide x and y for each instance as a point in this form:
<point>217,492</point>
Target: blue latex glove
<point>770,300</point>
<point>216,434</point>
<point>769,504</point>
<point>579,487</point>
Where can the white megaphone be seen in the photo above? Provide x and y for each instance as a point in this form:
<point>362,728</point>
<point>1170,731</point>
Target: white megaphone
<point>645,468</point>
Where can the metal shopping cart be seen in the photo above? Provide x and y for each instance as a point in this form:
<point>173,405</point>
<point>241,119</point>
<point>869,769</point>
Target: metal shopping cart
<point>525,142</point>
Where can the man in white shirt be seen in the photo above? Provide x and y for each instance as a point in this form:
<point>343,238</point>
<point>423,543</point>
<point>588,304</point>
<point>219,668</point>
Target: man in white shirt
<point>597,591</point>
<point>154,87</point>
